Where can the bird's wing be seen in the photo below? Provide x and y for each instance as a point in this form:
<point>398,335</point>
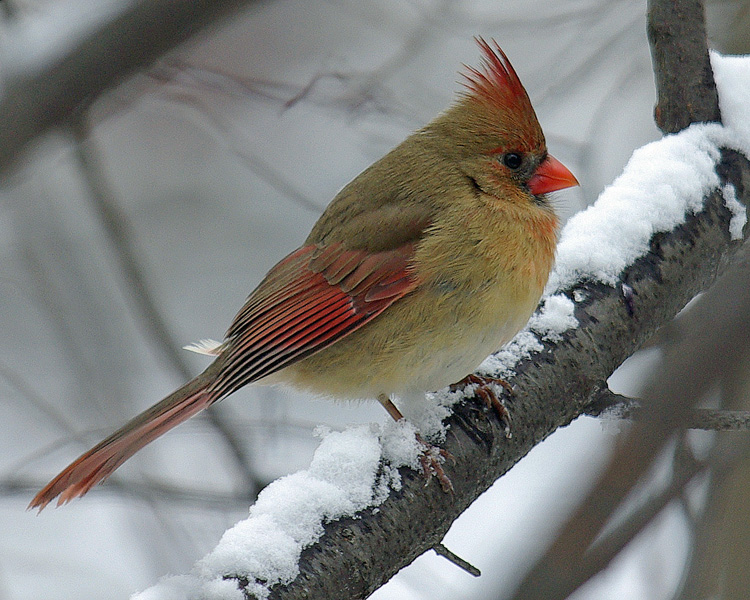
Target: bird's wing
<point>314,297</point>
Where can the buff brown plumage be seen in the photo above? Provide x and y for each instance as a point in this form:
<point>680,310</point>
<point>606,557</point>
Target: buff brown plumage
<point>428,261</point>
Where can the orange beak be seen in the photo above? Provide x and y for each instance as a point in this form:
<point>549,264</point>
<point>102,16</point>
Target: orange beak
<point>551,176</point>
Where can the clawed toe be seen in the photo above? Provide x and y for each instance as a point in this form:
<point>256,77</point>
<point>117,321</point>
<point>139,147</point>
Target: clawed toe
<point>485,389</point>
<point>432,460</point>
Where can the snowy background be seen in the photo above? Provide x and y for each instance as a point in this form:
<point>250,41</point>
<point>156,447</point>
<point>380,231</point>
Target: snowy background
<point>220,159</point>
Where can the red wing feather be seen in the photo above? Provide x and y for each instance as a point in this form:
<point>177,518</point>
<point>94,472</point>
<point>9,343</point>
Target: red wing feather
<point>311,299</point>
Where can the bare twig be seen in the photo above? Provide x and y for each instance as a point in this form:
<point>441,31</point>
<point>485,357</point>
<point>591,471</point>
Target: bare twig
<point>456,560</point>
<point>608,403</point>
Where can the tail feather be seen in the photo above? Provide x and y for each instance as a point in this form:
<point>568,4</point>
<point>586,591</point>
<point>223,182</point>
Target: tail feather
<point>98,463</point>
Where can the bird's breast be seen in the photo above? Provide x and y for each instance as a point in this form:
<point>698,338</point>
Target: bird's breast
<point>477,288</point>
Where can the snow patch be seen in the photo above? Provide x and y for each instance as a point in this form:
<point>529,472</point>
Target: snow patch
<point>738,210</point>
<point>555,317</point>
<point>400,445</point>
<point>732,76</point>
<point>662,183</point>
<point>504,360</point>
<point>344,478</point>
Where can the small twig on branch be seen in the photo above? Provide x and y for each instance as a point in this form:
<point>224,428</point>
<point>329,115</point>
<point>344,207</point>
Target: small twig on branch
<point>608,403</point>
<point>456,560</point>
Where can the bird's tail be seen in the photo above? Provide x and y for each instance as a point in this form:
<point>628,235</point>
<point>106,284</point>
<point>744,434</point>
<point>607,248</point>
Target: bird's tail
<point>98,463</point>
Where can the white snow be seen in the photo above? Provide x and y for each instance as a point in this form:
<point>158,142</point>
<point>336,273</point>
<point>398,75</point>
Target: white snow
<point>400,445</point>
<point>554,318</point>
<point>732,76</point>
<point>739,213</point>
<point>344,478</point>
<point>662,183</point>
<point>501,363</point>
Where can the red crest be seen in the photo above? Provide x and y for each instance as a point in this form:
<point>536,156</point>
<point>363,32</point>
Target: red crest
<point>496,82</point>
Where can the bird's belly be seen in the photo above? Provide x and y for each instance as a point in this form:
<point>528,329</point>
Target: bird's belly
<point>447,364</point>
<point>420,344</point>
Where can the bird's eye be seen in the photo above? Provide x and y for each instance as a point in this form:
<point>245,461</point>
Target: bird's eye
<point>512,160</point>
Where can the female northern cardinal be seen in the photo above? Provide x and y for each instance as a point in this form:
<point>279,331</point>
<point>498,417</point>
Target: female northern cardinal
<point>427,262</point>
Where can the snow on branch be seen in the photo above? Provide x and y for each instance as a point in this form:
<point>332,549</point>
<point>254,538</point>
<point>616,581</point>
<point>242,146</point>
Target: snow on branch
<point>655,238</point>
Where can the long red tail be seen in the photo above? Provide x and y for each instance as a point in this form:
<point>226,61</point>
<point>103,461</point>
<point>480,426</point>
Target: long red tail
<point>98,463</point>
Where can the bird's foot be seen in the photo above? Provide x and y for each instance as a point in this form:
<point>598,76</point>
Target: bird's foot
<point>485,388</point>
<point>432,460</point>
<point>431,457</point>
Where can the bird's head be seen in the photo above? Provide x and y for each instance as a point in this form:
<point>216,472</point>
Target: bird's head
<point>493,133</point>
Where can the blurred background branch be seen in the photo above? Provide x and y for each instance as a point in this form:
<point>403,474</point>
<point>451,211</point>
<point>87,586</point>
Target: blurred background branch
<point>50,94</point>
<point>616,406</point>
<point>154,324</point>
<point>684,80</point>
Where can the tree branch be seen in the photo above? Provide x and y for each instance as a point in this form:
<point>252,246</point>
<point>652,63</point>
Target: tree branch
<point>355,556</point>
<point>684,79</point>
<point>33,103</point>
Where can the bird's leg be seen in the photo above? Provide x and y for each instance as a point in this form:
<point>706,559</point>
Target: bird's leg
<point>390,407</point>
<point>484,390</point>
<point>431,458</point>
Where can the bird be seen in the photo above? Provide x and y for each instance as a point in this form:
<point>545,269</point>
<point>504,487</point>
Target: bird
<point>427,262</point>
